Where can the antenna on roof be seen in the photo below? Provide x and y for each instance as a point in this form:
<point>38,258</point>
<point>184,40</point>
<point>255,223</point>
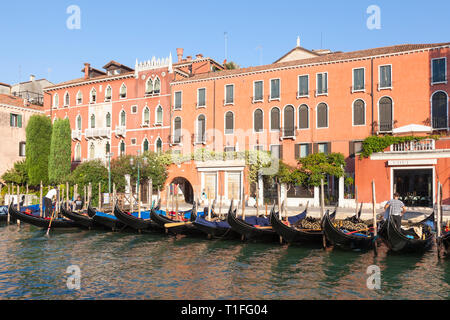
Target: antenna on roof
<point>321,40</point>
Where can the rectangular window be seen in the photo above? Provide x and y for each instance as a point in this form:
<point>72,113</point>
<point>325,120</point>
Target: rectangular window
<point>276,151</point>
<point>258,91</point>
<point>234,185</point>
<point>177,103</point>
<point>210,185</point>
<point>355,147</point>
<point>22,149</point>
<point>302,150</point>
<point>259,148</point>
<point>439,69</point>
<point>230,149</point>
<point>303,86</point>
<point>322,83</point>
<point>385,77</point>
<point>275,89</point>
<point>201,97</point>
<point>229,94</point>
<point>15,120</point>
<point>322,147</point>
<point>134,109</point>
<point>358,79</point>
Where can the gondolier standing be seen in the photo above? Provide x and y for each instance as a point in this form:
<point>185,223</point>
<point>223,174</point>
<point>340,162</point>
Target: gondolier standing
<point>48,202</point>
<point>397,209</point>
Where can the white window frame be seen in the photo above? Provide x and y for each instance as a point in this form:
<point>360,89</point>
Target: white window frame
<point>143,116</point>
<point>160,85</point>
<point>353,114</point>
<point>253,120</point>
<point>309,117</point>
<point>431,108</point>
<point>317,116</point>
<point>393,110</point>
<point>64,102</point>
<point>120,119</point>
<point>198,106</point>
<point>120,91</point>
<point>173,131</point>
<point>305,144</point>
<point>91,101</point>
<point>156,145</point>
<point>137,109</point>
<point>225,95</point>
<point>76,122</point>
<point>78,94</point>
<point>379,77</point>
<point>270,90</point>
<point>55,103</point>
<point>283,124</point>
<point>254,91</point>
<point>446,70</point>
<point>270,149</point>
<point>317,84</point>
<point>146,85</point>
<point>353,80</point>
<point>156,115</point>
<point>225,123</point>
<point>175,99</point>
<point>106,90</point>
<point>196,130</point>
<point>298,86</point>
<point>270,119</point>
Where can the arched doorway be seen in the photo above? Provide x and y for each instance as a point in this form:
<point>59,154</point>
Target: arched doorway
<point>186,188</point>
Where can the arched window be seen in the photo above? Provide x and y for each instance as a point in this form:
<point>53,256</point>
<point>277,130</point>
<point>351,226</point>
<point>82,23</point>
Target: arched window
<point>359,113</point>
<point>258,119</point>
<point>158,145</point>
<point>122,148</point>
<point>145,145</point>
<point>77,156</point>
<point>123,118</point>
<point>66,99</point>
<point>275,118</point>
<point>289,121</point>
<point>177,130</point>
<point>107,148</point>
<point>108,93</point>
<point>123,91</point>
<point>159,115</point>
<point>108,120</point>
<point>92,151</point>
<point>56,100</point>
<point>322,115</point>
<point>201,129</point>
<point>146,116</point>
<point>229,123</point>
<point>303,117</point>
<point>78,122</point>
<point>149,86</point>
<point>385,114</point>
<point>439,110</point>
<point>79,97</point>
<point>93,98</point>
<point>157,86</point>
<point>93,121</point>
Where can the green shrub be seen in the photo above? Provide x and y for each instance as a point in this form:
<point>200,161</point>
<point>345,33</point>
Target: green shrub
<point>60,158</point>
<point>38,135</point>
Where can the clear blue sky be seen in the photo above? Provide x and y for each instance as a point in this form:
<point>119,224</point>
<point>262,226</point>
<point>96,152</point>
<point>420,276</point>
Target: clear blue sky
<point>35,39</point>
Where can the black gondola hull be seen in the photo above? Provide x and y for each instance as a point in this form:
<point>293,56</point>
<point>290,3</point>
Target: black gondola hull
<point>291,235</point>
<point>217,232</point>
<point>345,241</point>
<point>41,222</point>
<point>250,232</point>
<point>132,221</point>
<point>81,220</point>
<point>161,221</point>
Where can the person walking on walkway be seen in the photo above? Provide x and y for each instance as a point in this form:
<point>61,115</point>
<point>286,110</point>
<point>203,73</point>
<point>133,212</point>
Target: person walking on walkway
<point>397,209</point>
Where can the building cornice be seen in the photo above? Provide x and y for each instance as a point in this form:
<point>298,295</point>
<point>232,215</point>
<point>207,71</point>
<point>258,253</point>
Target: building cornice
<point>21,108</point>
<point>82,83</point>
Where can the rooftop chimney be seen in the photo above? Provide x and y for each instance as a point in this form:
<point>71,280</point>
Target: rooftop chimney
<point>87,67</point>
<point>189,58</point>
<point>32,77</point>
<point>199,56</point>
<point>298,42</point>
<point>180,54</point>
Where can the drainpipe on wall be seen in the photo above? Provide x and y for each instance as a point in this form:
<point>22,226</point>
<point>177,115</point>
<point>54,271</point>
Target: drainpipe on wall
<point>214,116</point>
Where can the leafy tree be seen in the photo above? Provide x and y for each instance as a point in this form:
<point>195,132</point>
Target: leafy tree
<point>231,66</point>
<point>59,162</point>
<point>38,135</point>
<point>93,172</point>
<point>17,175</point>
<point>317,166</point>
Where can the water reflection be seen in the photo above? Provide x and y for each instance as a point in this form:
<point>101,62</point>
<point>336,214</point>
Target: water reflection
<point>156,266</point>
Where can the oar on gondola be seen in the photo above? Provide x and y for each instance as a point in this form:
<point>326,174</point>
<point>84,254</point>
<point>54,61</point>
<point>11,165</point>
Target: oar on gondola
<point>169,225</point>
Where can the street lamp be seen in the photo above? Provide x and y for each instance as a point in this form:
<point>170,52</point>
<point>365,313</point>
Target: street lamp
<point>138,164</point>
<point>109,155</point>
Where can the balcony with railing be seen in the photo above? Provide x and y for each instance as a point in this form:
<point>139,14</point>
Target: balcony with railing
<point>76,135</point>
<point>175,139</point>
<point>98,133</point>
<point>288,133</point>
<point>386,126</point>
<point>121,131</point>
<point>414,146</point>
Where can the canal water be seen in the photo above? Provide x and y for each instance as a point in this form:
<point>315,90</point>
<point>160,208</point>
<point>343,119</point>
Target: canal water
<point>155,266</point>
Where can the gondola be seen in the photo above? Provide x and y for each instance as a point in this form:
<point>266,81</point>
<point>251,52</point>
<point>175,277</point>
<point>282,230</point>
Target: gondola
<point>292,234</point>
<point>445,241</point>
<point>160,219</point>
<point>217,228</point>
<point>253,228</point>
<point>82,219</point>
<point>4,215</point>
<point>106,220</point>
<point>403,241</point>
<point>40,222</point>
<point>133,220</point>
<point>346,240</point>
